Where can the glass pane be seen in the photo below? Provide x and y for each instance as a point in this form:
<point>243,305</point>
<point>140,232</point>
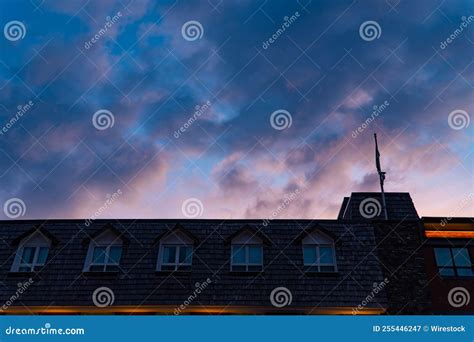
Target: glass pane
<point>28,254</point>
<point>255,255</point>
<point>42,256</point>
<point>446,271</point>
<point>309,255</point>
<point>25,269</point>
<point>114,254</point>
<point>443,257</point>
<point>465,272</point>
<point>461,257</point>
<point>325,255</point>
<point>98,257</point>
<point>185,253</point>
<point>169,254</point>
<point>238,254</point>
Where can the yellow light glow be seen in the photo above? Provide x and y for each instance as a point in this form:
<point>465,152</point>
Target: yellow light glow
<point>449,234</point>
<point>169,309</point>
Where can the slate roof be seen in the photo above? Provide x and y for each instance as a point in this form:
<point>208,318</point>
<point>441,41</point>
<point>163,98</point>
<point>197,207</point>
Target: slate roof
<point>63,283</point>
<point>399,206</point>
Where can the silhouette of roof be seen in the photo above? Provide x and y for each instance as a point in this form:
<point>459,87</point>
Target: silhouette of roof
<point>399,206</point>
<point>62,281</point>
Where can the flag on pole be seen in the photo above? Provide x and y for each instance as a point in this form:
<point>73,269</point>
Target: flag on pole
<point>377,159</point>
<point>381,175</point>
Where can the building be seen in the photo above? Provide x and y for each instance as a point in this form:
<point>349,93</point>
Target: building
<point>448,251</point>
<point>358,263</point>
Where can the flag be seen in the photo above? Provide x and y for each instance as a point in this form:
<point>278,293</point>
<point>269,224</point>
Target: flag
<point>377,160</point>
<point>377,155</point>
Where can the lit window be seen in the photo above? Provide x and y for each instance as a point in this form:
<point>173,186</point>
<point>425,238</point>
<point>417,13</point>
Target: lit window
<point>319,254</point>
<point>454,262</point>
<point>104,253</point>
<point>247,253</point>
<point>32,253</point>
<point>176,252</point>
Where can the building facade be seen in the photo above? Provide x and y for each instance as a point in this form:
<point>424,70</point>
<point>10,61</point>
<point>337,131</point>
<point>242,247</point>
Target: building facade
<point>358,263</point>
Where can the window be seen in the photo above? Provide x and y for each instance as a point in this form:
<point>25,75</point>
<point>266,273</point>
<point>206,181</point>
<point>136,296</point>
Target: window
<point>454,262</point>
<point>176,258</point>
<point>32,253</point>
<point>105,258</point>
<point>319,254</point>
<point>104,253</point>
<point>246,253</point>
<point>176,252</point>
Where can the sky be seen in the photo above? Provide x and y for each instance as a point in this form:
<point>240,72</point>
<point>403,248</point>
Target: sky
<point>233,109</point>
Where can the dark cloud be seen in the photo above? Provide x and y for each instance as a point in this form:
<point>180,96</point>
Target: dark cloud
<point>151,79</point>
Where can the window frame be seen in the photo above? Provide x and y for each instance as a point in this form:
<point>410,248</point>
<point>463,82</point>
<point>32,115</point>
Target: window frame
<point>105,240</point>
<point>107,259</point>
<point>37,241</point>
<point>453,265</point>
<point>310,267</point>
<point>246,263</point>
<point>177,266</point>
<point>34,265</point>
<point>318,239</point>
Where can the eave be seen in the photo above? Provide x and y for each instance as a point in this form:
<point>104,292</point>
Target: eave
<point>172,309</point>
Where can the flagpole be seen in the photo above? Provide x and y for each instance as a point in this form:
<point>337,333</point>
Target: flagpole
<point>383,199</point>
<point>381,176</point>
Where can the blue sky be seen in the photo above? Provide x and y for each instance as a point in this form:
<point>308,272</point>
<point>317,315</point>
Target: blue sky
<point>321,72</point>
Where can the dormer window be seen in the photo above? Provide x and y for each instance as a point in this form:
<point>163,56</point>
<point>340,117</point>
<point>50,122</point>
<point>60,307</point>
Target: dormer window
<point>319,254</point>
<point>104,253</point>
<point>175,252</point>
<point>32,253</point>
<point>246,253</point>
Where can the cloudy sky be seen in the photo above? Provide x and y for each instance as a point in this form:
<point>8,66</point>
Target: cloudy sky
<point>140,109</point>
